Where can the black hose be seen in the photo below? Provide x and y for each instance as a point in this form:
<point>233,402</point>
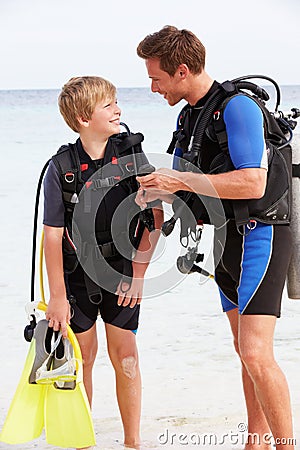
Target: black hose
<point>257,90</point>
<point>34,234</point>
<point>264,77</point>
<point>203,121</point>
<point>196,140</point>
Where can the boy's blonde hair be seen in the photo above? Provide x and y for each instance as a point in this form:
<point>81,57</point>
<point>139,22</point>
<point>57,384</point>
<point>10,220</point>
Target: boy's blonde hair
<point>79,96</point>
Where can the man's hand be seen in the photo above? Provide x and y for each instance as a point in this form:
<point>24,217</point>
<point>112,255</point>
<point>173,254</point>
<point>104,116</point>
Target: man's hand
<point>165,180</point>
<point>159,185</point>
<point>130,294</point>
<point>237,184</point>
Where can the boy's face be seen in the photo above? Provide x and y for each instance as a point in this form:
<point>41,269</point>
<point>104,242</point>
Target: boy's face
<point>105,119</point>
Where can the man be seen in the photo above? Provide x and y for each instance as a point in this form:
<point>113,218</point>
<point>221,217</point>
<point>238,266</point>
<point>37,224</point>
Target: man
<point>252,270</point>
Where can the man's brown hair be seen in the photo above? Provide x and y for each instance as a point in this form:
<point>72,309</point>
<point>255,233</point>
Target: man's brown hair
<point>173,47</point>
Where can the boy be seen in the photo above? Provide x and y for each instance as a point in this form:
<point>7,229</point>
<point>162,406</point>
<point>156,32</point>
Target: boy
<point>88,105</point>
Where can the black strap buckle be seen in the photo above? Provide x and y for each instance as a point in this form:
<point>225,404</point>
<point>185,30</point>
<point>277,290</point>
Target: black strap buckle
<point>108,250</point>
<point>100,183</point>
<point>296,170</point>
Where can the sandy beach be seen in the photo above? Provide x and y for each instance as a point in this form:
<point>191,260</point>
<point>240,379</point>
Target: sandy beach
<point>192,393</point>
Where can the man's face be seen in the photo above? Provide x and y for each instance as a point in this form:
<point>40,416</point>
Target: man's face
<point>163,83</point>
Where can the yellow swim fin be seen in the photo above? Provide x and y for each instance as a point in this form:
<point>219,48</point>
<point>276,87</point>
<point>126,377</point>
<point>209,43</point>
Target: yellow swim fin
<point>64,413</point>
<point>25,418</point>
<point>68,421</point>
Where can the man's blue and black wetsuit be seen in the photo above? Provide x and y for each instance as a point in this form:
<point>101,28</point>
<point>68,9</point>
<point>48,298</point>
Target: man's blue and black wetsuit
<point>251,270</point>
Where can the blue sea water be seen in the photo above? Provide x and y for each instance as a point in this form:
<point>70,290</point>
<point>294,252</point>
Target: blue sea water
<point>31,124</point>
<point>31,130</point>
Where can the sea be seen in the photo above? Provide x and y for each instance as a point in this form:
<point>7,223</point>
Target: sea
<point>190,373</point>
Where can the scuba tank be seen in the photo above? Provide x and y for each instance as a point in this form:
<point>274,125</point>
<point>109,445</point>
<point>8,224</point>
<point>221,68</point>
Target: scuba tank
<point>293,275</point>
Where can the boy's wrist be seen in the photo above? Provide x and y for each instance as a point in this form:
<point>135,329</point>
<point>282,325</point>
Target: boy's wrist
<point>56,297</point>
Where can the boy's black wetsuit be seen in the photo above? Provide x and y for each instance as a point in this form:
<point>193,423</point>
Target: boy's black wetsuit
<point>86,307</point>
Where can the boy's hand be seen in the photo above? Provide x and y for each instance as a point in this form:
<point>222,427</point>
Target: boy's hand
<point>140,199</point>
<point>58,313</point>
<point>144,197</point>
<point>130,294</point>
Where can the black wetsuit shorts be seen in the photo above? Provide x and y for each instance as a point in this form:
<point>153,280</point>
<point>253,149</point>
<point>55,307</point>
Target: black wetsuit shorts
<point>85,308</point>
<point>252,270</point>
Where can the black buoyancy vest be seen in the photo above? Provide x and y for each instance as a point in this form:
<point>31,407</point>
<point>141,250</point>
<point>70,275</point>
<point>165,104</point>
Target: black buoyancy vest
<point>74,172</point>
<point>123,160</point>
<point>208,150</point>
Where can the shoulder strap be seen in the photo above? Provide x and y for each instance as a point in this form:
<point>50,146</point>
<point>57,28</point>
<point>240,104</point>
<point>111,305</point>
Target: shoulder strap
<point>219,126</point>
<point>178,132</point>
<point>130,145</point>
<point>124,142</point>
<point>67,163</point>
<point>224,90</point>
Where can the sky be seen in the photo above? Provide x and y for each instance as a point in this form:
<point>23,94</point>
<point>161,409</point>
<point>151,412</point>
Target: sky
<point>43,43</point>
